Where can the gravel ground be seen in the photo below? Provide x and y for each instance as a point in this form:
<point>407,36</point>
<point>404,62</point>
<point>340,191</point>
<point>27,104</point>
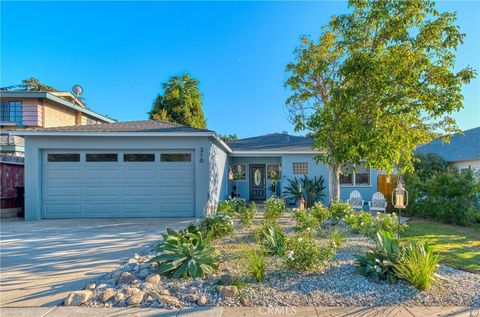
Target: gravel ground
<point>336,284</point>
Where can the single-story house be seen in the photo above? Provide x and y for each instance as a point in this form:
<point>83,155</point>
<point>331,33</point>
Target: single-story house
<point>159,169</point>
<point>462,153</point>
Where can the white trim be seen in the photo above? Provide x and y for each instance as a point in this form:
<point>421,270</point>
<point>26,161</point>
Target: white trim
<point>119,134</point>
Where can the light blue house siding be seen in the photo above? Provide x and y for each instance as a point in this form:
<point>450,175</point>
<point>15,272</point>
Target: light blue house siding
<point>286,161</point>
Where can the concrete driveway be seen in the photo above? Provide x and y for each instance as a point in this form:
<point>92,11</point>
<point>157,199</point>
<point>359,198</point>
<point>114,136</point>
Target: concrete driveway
<point>42,261</point>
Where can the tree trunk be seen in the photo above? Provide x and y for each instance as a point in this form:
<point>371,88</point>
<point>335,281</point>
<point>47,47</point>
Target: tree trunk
<point>334,182</point>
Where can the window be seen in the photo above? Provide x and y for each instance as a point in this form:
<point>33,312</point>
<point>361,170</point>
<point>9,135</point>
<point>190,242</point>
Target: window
<point>139,157</point>
<point>176,157</point>
<point>362,175</point>
<point>67,157</point>
<point>300,168</point>
<point>346,176</point>
<point>239,172</point>
<point>11,111</point>
<point>358,176</point>
<point>102,157</point>
<point>274,171</point>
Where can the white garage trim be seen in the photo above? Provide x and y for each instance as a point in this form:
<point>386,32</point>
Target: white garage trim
<point>92,189</point>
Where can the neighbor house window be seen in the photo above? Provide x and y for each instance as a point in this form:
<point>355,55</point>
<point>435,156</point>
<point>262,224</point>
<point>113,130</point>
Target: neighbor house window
<point>355,176</point>
<point>64,157</point>
<point>300,168</point>
<point>102,157</point>
<point>273,171</point>
<point>239,172</point>
<point>141,157</point>
<point>176,157</point>
<point>11,111</point>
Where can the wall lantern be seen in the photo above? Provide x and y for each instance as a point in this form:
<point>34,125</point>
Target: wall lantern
<point>230,174</point>
<point>399,199</point>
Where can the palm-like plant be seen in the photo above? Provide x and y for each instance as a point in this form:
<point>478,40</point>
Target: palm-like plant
<point>311,189</point>
<point>186,255</point>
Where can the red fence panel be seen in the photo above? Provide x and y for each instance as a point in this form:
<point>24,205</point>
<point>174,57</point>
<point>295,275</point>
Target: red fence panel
<point>11,176</point>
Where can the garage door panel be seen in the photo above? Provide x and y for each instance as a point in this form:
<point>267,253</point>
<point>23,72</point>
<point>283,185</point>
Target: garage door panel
<point>118,189</point>
<point>139,191</point>
<point>59,210</point>
<point>68,174</point>
<point>101,210</point>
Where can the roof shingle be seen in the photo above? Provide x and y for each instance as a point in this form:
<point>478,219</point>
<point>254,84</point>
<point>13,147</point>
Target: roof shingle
<point>273,142</point>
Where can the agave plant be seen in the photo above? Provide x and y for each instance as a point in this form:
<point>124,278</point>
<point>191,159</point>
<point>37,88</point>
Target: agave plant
<point>311,189</point>
<point>273,239</point>
<point>186,255</point>
<point>379,262</point>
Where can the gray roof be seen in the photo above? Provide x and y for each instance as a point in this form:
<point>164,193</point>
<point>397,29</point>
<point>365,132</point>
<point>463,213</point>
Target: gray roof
<point>273,142</point>
<point>144,126</point>
<point>462,147</point>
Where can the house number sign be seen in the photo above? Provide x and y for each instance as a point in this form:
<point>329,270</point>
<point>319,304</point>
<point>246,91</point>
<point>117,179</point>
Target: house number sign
<point>201,155</point>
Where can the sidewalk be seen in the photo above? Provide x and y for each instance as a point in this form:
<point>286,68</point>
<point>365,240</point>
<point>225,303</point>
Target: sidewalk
<point>393,311</point>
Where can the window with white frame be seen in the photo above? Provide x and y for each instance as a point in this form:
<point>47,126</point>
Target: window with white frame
<point>239,172</point>
<point>300,168</point>
<point>358,175</point>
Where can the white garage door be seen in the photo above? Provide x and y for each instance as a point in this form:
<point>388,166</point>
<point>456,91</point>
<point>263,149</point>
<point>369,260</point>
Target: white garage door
<point>90,184</point>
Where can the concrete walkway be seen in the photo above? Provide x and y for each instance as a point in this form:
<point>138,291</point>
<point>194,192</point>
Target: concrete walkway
<point>42,261</point>
<point>394,311</point>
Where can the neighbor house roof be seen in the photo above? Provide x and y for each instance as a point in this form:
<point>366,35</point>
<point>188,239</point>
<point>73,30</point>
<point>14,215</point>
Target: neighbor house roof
<point>143,126</point>
<point>462,147</point>
<point>275,142</point>
<point>58,97</point>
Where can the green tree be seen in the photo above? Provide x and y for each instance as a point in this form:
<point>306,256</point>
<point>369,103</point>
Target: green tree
<point>180,102</point>
<point>31,84</point>
<point>378,82</point>
<point>228,137</point>
<point>428,164</point>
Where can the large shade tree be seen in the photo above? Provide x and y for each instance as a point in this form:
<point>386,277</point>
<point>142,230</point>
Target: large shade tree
<point>180,102</point>
<point>379,81</point>
<point>30,84</point>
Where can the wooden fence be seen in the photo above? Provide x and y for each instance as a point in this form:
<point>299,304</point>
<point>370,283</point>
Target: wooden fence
<point>386,184</point>
<point>11,181</point>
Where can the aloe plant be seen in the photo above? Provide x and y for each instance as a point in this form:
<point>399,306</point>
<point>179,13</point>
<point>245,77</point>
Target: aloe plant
<point>311,189</point>
<point>186,255</point>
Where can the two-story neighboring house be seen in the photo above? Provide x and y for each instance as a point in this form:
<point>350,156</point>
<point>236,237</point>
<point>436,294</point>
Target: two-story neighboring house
<point>40,109</point>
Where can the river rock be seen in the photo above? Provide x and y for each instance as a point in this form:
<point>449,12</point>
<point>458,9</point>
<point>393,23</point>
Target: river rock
<point>136,298</point>
<point>105,296</point>
<point>227,290</point>
<point>153,279</point>
<point>77,298</point>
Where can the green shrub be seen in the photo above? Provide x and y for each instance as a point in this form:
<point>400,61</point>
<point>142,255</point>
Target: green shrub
<point>185,255</point>
<point>338,210</point>
<point>378,263</point>
<point>364,223</point>
<point>255,263</point>
<point>274,208</point>
<point>337,236</point>
<point>449,197</point>
<point>304,254</point>
<point>231,206</point>
<point>220,225</point>
<point>273,238</point>
<point>417,265</point>
<point>246,215</point>
<point>304,220</point>
<point>311,189</point>
<point>388,222</point>
<point>320,212</point>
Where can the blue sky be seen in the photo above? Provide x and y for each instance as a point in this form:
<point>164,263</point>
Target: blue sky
<point>120,52</point>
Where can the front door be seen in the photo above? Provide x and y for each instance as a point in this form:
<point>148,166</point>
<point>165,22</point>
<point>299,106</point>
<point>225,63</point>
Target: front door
<point>257,182</point>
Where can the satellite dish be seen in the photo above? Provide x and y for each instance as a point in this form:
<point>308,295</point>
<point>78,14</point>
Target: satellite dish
<point>77,90</point>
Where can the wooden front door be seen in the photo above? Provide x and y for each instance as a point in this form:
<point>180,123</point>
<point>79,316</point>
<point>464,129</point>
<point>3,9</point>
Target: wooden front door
<point>257,182</point>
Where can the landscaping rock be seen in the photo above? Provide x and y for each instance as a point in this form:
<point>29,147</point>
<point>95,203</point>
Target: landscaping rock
<point>126,278</point>
<point>192,298</point>
<point>167,300</point>
<point>245,301</point>
<point>107,295</point>
<point>132,261</point>
<point>119,297</point>
<point>77,298</point>
<point>147,286</point>
<point>143,273</point>
<point>136,298</point>
<point>153,279</point>
<point>116,274</point>
<point>90,286</point>
<point>202,300</point>
<point>164,292</point>
<point>227,290</point>
<point>129,291</point>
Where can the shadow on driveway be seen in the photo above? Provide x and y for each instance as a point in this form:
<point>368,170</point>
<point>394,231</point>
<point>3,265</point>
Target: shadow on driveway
<point>42,261</point>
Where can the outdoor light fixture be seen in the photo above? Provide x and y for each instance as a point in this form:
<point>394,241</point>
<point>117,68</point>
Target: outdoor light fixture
<point>399,199</point>
<point>230,174</point>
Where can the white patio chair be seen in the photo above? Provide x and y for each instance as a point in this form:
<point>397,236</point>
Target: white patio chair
<point>355,200</point>
<point>378,203</point>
